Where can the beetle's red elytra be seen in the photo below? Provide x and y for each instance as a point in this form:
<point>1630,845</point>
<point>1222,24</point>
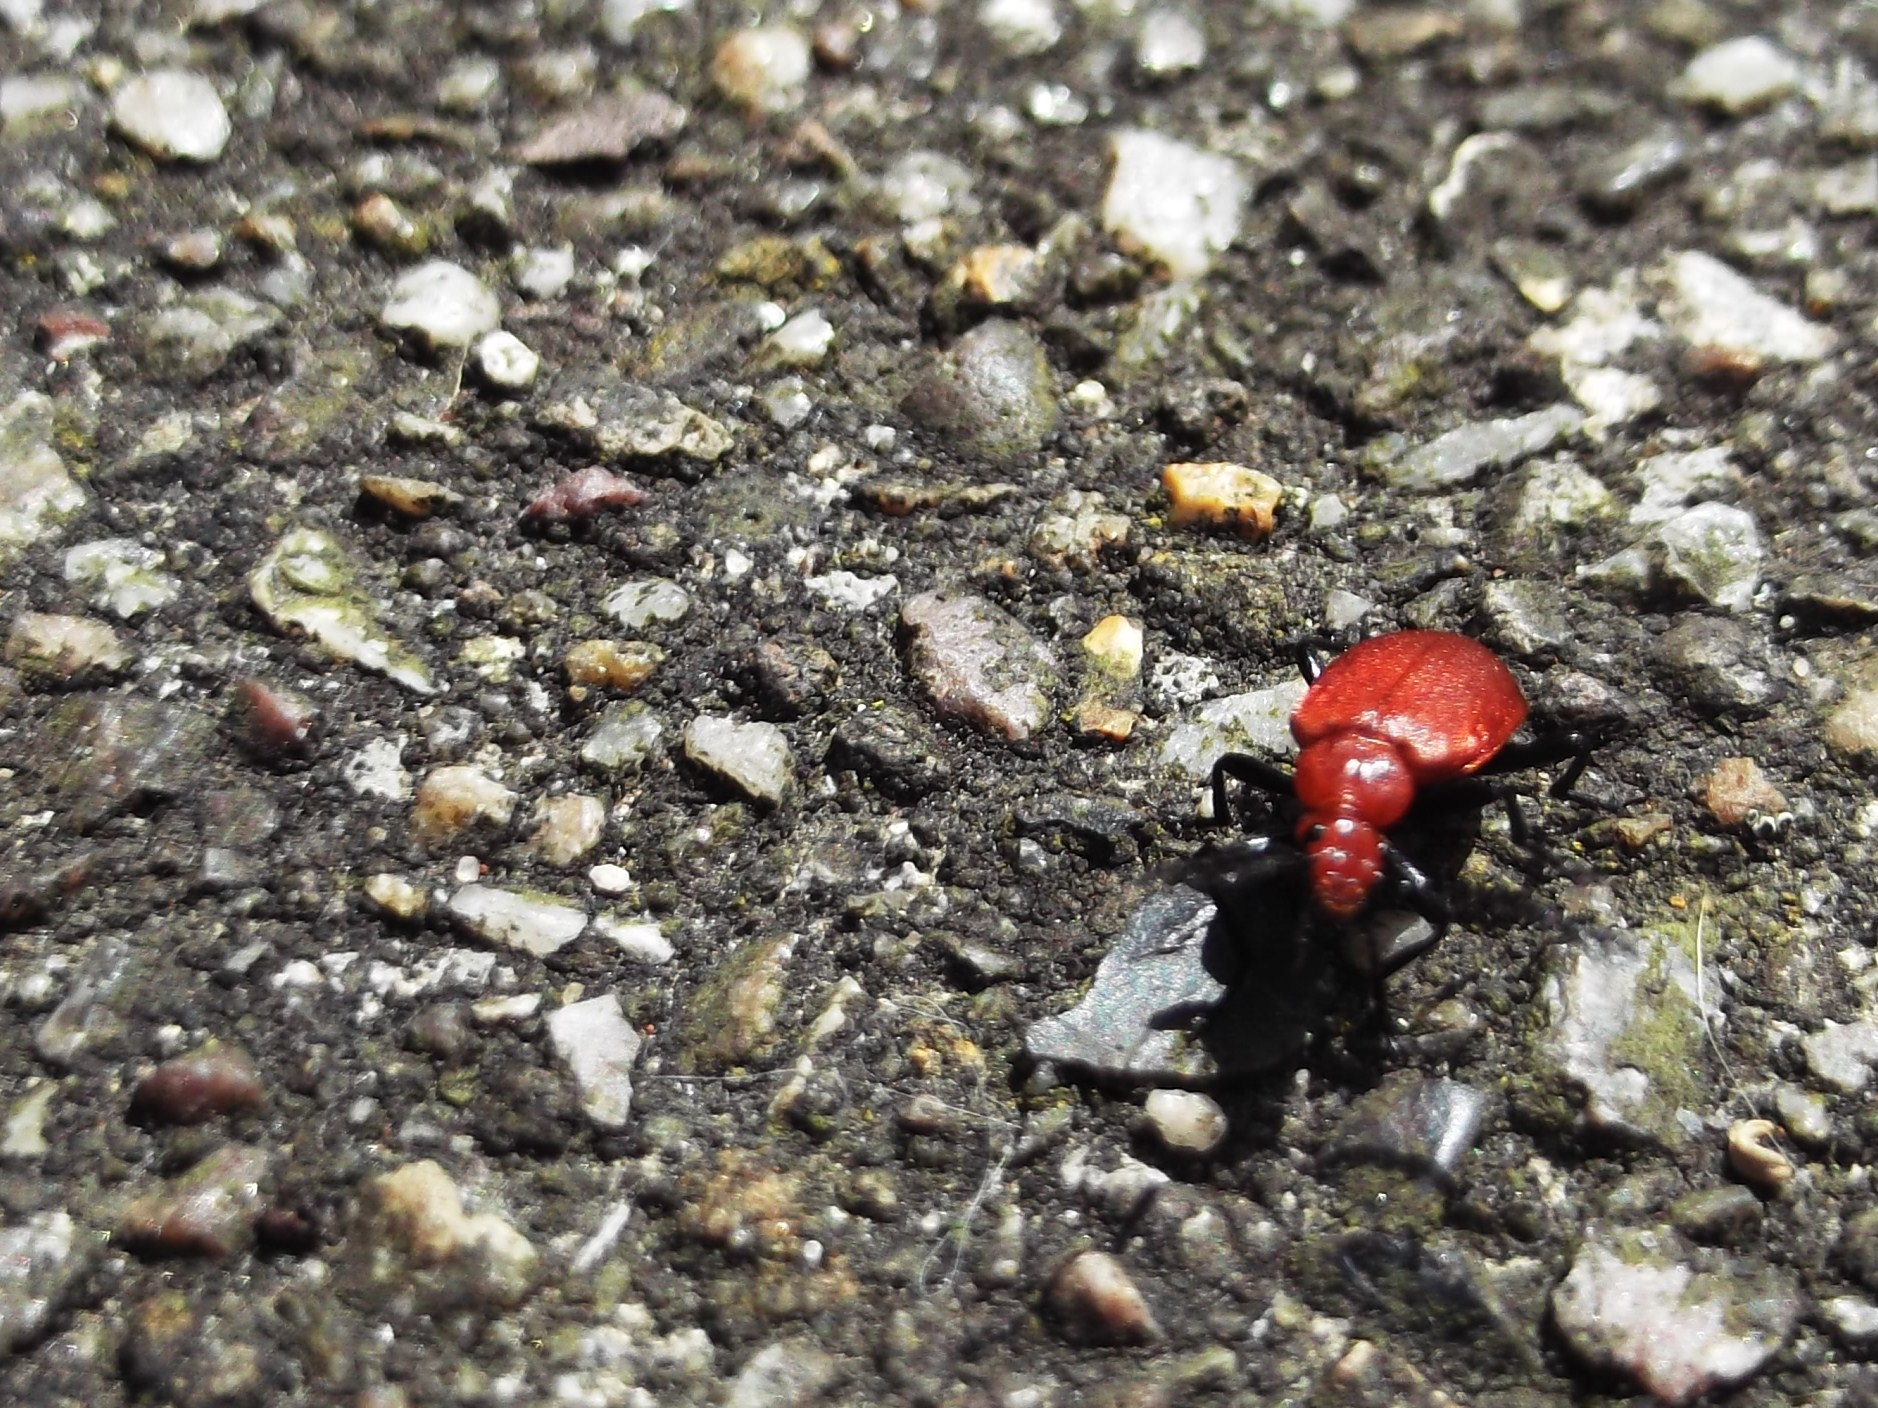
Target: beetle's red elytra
<point>1392,714</point>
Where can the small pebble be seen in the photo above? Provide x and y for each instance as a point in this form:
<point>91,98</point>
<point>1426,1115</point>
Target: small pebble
<point>211,1081</point>
<point>1739,75</point>
<point>566,828</point>
<point>173,114</point>
<point>1222,495</point>
<point>1185,1121</point>
<point>413,498</point>
<point>454,799</point>
<point>506,362</point>
<point>1180,204</point>
<point>1738,794</point>
<point>582,494</point>
<point>395,897</point>
<point>441,305</point>
<point>764,69</point>
<point>385,225</point>
<point>752,758</point>
<point>1805,1115</point>
<point>1096,1301</point>
<point>64,648</point>
<point>610,879</point>
<point>622,665</point>
<point>207,1212</point>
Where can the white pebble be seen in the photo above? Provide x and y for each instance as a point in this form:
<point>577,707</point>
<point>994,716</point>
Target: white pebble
<point>506,362</point>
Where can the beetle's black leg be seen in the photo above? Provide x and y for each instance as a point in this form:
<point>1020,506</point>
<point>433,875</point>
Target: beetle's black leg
<point>1572,749</point>
<point>1250,770</point>
<point>1423,895</point>
<point>1242,866</point>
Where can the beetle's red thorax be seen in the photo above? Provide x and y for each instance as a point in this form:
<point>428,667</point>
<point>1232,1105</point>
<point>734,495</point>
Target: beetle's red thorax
<point>1349,775</point>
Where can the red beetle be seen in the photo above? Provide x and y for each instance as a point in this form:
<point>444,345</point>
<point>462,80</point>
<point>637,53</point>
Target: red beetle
<point>1389,717</point>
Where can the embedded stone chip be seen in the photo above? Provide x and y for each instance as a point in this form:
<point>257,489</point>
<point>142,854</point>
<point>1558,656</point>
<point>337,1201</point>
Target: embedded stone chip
<point>1222,495</point>
<point>309,583</point>
<point>1179,204</point>
<point>1112,651</point>
<point>1736,792</point>
<point>506,362</point>
<point>533,923</point>
<point>1185,1121</point>
<point>1713,307</point>
<point>753,758</point>
<point>441,305</point>
<point>764,69</point>
<point>1739,75</point>
<point>598,1046</point>
<point>63,647</point>
<point>418,1225</point>
<point>394,896</point>
<point>611,664</point>
<point>453,799</point>
<point>122,575</point>
<point>566,828</point>
<point>36,492</point>
<point>173,114</point>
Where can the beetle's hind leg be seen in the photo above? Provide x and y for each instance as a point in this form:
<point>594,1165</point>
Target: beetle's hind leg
<point>1248,770</point>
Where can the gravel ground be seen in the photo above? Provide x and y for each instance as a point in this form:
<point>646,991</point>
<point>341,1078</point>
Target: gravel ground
<point>615,617</point>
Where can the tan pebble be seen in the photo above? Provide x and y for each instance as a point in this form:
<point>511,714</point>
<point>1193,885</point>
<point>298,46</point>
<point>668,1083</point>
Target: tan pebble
<point>414,498</point>
<point>1096,1301</point>
<point>1756,1160</point>
<point>764,69</point>
<point>1737,792</point>
<point>1222,495</point>
<point>1636,832</point>
<point>566,828</point>
<point>997,274</point>
<point>452,799</point>
<point>612,664</point>
<point>273,233</point>
<point>1114,642</point>
<point>1095,720</point>
<point>1852,729</point>
<point>381,222</point>
<point>417,1210</point>
<point>64,647</point>
<point>394,896</point>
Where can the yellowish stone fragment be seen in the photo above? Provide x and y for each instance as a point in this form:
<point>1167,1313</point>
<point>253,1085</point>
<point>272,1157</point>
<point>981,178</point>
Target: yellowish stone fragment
<point>612,664</point>
<point>453,799</point>
<point>1113,652</point>
<point>1852,729</point>
<point>566,828</point>
<point>414,498</point>
<point>395,897</point>
<point>1221,494</point>
<point>1114,643</point>
<point>996,275</point>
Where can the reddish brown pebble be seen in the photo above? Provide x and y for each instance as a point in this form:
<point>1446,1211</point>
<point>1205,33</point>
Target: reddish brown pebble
<point>62,333</point>
<point>583,494</point>
<point>279,721</point>
<point>1738,793</point>
<point>209,1211</point>
<point>1096,1301</point>
<point>211,1081</point>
